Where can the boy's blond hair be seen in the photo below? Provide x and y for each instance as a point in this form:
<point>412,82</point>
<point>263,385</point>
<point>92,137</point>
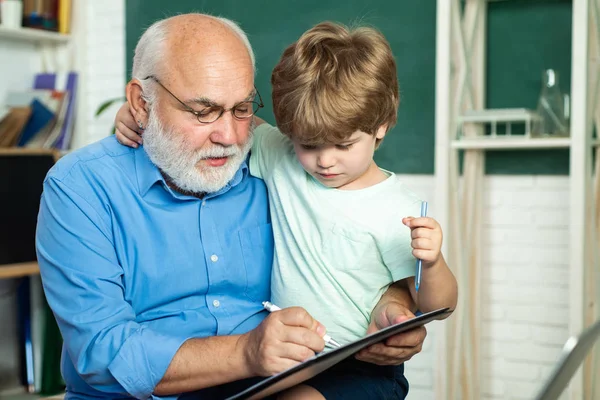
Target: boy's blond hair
<point>334,81</point>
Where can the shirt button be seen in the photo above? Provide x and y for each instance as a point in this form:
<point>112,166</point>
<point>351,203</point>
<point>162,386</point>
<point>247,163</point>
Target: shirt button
<point>203,202</point>
<point>214,258</point>
<point>216,303</point>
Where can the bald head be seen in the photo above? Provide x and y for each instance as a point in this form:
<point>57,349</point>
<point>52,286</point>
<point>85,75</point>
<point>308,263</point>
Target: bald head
<point>186,44</point>
<point>198,44</point>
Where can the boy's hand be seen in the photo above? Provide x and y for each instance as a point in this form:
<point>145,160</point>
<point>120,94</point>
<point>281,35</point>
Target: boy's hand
<point>127,131</point>
<point>398,348</point>
<point>426,235</point>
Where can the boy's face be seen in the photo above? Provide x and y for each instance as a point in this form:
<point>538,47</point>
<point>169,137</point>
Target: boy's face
<point>346,165</point>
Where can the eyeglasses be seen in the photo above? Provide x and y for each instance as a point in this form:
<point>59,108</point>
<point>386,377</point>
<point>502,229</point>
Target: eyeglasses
<point>240,111</point>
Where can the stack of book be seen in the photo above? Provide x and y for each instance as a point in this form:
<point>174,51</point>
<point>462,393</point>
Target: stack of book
<point>51,15</point>
<point>41,117</point>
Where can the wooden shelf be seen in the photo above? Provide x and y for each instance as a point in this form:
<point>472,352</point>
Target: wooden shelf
<point>513,143</point>
<point>9,271</point>
<point>23,151</point>
<point>33,35</point>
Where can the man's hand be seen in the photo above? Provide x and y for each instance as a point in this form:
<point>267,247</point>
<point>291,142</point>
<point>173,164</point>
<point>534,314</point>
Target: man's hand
<point>398,348</point>
<point>284,339</point>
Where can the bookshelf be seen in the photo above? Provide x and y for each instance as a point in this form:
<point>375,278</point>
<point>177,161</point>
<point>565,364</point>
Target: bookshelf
<point>29,52</point>
<point>461,67</point>
<point>513,143</point>
<point>34,35</point>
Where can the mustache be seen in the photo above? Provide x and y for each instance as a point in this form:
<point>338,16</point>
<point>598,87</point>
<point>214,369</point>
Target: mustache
<point>217,152</point>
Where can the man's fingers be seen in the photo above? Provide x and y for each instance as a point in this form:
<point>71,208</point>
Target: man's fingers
<point>295,352</point>
<point>297,316</point>
<point>304,337</point>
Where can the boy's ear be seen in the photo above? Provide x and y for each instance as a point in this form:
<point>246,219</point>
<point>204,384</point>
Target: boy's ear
<point>381,131</point>
<point>137,105</point>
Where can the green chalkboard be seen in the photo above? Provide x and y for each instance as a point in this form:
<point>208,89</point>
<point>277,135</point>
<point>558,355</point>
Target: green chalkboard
<point>515,62</point>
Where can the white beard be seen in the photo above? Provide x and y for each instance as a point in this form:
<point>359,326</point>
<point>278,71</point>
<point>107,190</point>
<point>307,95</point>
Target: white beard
<point>180,162</point>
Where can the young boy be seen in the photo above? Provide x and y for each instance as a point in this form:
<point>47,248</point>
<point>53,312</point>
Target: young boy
<point>342,226</point>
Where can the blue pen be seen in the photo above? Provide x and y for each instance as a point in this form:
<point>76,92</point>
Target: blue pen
<point>419,262</point>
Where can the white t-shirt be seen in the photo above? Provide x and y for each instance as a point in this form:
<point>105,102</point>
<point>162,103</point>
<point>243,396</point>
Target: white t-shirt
<point>336,251</point>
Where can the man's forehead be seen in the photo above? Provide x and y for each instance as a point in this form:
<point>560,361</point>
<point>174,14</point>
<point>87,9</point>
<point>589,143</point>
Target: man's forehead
<point>217,84</point>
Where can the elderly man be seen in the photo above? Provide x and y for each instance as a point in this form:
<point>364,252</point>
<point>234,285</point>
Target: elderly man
<point>156,277</point>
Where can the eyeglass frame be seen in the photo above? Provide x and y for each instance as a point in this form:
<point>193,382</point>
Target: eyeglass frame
<point>223,109</point>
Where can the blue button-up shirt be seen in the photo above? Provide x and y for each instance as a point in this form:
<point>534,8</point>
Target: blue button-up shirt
<point>132,269</point>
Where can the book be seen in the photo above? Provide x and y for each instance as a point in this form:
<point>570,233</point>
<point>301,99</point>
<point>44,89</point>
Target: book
<point>323,361</point>
<point>40,117</point>
<point>12,125</point>
<point>65,124</point>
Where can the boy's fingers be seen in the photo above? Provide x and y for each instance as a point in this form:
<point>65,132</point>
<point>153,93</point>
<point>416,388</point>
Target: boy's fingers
<point>124,140</point>
<point>422,222</point>
<point>129,133</point>
<point>422,244</point>
<point>423,254</point>
<point>421,233</point>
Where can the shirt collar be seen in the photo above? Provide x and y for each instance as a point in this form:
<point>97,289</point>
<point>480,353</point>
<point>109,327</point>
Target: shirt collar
<point>148,174</point>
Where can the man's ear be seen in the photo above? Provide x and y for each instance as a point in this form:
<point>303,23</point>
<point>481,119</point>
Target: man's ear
<point>137,105</point>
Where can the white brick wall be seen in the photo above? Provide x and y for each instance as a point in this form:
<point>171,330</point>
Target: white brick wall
<point>524,286</point>
<point>101,60</point>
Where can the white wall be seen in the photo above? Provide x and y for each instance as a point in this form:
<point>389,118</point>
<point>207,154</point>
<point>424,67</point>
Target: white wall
<point>99,40</point>
<point>524,286</point>
<point>101,57</point>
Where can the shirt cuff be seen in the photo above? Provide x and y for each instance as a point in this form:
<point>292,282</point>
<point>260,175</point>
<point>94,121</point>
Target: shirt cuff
<point>143,360</point>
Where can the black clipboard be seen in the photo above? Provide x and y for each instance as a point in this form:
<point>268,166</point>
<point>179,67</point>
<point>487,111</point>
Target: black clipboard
<point>319,363</point>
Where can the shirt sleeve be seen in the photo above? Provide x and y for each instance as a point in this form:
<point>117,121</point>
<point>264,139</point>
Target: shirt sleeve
<point>83,283</point>
<point>270,146</point>
<point>396,250</point>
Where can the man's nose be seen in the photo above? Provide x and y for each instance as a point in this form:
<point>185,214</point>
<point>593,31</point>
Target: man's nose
<point>226,130</point>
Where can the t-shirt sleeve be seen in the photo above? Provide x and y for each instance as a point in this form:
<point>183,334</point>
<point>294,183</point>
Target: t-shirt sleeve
<point>395,248</point>
<point>270,146</point>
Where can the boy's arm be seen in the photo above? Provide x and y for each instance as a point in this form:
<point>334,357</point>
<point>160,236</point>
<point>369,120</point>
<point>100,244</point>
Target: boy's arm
<point>269,147</point>
<point>410,238</point>
<point>438,288</point>
<point>259,121</point>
